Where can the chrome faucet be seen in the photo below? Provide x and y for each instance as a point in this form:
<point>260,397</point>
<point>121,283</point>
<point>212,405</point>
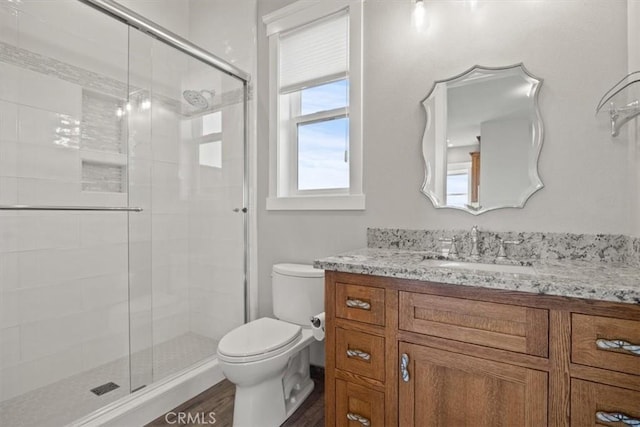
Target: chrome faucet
<point>475,251</point>
<point>502,252</point>
<point>452,251</point>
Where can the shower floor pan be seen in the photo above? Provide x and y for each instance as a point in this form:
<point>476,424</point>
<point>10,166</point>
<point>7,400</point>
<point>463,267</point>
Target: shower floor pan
<point>64,401</point>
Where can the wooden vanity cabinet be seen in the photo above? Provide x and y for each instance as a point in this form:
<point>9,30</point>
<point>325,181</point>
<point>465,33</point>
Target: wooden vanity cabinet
<point>594,404</point>
<point>451,389</point>
<point>409,353</point>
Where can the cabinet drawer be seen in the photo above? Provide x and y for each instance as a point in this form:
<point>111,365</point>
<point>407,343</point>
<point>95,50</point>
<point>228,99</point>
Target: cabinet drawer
<point>358,406</point>
<point>502,326</point>
<point>361,303</point>
<point>606,342</point>
<point>360,353</point>
<point>595,404</point>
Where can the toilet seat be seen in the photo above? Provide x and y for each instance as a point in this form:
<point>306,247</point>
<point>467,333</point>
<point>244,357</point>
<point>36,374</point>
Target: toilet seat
<point>258,340</point>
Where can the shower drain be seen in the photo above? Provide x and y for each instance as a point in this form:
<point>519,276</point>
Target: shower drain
<point>104,388</point>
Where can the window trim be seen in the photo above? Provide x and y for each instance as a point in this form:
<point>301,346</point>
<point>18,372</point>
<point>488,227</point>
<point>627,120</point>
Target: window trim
<point>282,173</point>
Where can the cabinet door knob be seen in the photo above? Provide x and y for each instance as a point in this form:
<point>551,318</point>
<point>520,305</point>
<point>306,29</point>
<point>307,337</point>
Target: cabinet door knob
<point>618,345</point>
<point>614,417</point>
<point>358,353</point>
<point>357,303</point>
<point>359,418</point>
<point>404,367</point>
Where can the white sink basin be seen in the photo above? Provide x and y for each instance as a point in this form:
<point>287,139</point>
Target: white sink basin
<point>498,268</point>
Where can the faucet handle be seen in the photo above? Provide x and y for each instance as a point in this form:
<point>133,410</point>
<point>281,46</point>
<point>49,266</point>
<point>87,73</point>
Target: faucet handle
<point>502,253</point>
<point>453,249</point>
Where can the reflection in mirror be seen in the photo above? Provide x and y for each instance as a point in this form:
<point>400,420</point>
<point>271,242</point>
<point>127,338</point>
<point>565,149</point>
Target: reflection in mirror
<point>482,139</point>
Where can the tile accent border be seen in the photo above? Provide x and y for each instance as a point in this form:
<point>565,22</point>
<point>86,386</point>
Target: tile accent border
<point>24,58</point>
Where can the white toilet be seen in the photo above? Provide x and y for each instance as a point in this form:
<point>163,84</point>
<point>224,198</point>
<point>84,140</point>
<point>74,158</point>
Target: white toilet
<point>268,359</point>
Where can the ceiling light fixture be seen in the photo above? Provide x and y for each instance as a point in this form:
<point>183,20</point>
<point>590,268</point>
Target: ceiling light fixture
<point>419,15</point>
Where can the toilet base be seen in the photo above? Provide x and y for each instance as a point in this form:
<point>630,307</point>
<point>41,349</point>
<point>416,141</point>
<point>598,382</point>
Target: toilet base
<point>299,396</point>
<point>270,402</point>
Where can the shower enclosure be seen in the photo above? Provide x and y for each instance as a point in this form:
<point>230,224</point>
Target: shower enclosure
<point>123,229</point>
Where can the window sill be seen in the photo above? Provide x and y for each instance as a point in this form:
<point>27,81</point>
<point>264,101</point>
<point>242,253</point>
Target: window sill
<point>350,202</point>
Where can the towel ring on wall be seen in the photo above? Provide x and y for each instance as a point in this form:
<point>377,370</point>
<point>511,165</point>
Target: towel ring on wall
<point>620,115</point>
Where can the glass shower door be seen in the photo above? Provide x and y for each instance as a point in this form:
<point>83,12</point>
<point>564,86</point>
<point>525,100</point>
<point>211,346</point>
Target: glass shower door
<point>186,150</point>
<point>64,316</point>
<point>96,305</point>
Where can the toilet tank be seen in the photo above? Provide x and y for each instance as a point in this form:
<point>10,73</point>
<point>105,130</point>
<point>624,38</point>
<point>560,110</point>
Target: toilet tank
<point>298,292</point>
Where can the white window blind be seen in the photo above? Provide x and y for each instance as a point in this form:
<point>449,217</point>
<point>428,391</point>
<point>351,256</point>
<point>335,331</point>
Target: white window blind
<point>314,53</point>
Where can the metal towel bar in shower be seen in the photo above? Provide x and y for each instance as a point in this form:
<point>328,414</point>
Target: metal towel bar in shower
<point>68,208</point>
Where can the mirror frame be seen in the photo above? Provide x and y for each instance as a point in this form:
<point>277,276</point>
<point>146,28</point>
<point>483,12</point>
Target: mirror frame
<point>536,182</point>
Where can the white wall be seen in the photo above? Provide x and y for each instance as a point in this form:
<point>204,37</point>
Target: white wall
<point>578,47</point>
<point>504,161</point>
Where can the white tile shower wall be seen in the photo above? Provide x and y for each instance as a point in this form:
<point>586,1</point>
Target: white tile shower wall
<point>228,29</point>
<point>81,272</point>
<point>33,374</point>
<point>63,276</point>
<point>158,184</point>
<point>216,291</point>
<point>75,34</point>
<point>8,25</point>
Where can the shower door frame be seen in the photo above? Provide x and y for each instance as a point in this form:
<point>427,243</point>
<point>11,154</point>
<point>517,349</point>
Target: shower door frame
<point>139,22</point>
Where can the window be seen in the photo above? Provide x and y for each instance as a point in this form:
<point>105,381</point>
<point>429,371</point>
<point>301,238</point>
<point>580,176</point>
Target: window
<point>458,184</point>
<point>315,143</point>
<point>209,130</point>
<point>210,154</point>
<point>458,189</point>
<point>322,136</point>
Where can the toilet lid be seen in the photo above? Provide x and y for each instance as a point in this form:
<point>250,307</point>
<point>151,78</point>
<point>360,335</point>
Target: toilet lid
<point>260,336</point>
<point>298,270</point>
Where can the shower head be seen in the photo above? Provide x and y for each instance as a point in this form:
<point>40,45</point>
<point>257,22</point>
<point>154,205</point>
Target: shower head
<point>197,98</point>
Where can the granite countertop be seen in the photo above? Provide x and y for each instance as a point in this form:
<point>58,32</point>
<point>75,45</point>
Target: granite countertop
<point>603,281</point>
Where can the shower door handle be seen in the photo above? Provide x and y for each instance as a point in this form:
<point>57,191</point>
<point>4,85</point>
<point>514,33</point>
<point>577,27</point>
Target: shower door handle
<point>243,210</point>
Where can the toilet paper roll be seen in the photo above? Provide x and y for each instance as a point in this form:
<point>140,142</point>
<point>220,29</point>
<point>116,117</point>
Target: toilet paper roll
<point>317,326</point>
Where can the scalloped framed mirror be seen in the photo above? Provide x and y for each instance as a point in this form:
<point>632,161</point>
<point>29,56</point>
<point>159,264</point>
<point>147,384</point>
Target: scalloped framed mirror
<point>482,139</point>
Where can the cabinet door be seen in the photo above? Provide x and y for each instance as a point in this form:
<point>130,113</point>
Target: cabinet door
<point>450,389</point>
<point>595,404</point>
<point>358,406</point>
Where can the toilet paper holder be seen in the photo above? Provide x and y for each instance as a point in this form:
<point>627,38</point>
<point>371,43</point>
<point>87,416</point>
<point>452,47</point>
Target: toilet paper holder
<point>315,321</point>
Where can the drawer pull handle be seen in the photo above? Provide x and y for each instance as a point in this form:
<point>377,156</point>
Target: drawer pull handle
<point>613,417</point>
<point>618,345</point>
<point>404,367</point>
<point>357,303</point>
<point>358,353</point>
<point>359,418</point>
